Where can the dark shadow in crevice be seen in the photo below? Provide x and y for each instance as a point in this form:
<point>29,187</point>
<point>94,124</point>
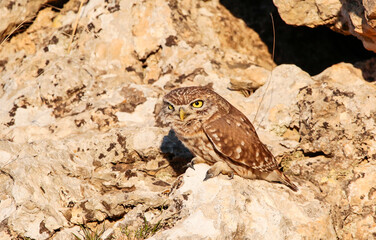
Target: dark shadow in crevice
<point>312,49</point>
<point>368,69</point>
<point>317,154</point>
<point>57,4</point>
<point>176,153</point>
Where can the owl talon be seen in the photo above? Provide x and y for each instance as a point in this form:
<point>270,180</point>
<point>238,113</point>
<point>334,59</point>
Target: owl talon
<point>208,176</point>
<point>194,161</point>
<point>231,175</point>
<point>190,165</point>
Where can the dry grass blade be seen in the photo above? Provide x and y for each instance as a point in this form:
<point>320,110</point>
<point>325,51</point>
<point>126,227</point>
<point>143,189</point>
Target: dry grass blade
<point>75,26</point>
<point>269,80</point>
<point>52,7</point>
<point>144,231</point>
<point>18,27</point>
<point>88,234</point>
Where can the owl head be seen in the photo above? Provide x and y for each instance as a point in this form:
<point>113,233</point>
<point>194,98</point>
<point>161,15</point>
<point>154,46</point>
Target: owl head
<point>189,105</point>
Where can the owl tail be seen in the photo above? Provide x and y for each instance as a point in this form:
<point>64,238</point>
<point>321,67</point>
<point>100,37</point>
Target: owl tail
<point>278,176</point>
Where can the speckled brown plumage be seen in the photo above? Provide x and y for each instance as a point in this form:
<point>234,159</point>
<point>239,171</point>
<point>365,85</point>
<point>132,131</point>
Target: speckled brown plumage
<point>219,134</point>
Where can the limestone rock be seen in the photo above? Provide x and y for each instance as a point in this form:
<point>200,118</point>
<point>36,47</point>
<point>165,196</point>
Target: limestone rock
<point>17,12</point>
<point>349,191</point>
<point>242,209</point>
<point>361,194</point>
<point>275,99</point>
<point>309,13</point>
<point>80,142</point>
<point>357,18</point>
<point>74,181</point>
<point>257,76</point>
<point>336,114</point>
<point>335,122</point>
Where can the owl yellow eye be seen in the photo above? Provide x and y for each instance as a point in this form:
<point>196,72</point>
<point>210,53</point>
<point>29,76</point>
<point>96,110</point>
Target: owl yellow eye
<point>170,107</point>
<point>197,104</point>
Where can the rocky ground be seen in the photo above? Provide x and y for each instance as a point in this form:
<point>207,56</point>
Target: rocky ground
<point>80,143</point>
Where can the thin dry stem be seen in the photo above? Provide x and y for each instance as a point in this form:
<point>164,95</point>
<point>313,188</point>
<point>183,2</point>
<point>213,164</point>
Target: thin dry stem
<point>269,80</point>
<point>75,26</point>
<point>18,27</point>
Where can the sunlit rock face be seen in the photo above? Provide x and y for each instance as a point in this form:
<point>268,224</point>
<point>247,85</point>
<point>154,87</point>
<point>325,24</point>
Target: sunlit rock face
<point>81,141</point>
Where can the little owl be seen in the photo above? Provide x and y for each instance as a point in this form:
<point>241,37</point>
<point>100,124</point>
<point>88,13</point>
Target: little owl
<point>220,135</point>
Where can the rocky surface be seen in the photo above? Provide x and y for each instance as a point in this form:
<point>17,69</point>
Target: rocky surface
<point>240,209</point>
<point>81,144</point>
<point>357,18</point>
<point>16,14</point>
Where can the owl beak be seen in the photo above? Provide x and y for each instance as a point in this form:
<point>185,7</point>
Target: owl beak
<point>182,114</point>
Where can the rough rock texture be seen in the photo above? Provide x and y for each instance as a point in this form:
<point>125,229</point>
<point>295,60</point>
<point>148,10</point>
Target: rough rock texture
<point>357,18</point>
<point>336,114</point>
<point>80,143</point>
<point>246,209</point>
<point>14,14</point>
<point>336,120</point>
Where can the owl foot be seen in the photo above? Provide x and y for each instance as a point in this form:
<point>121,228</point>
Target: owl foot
<point>278,176</point>
<point>217,168</point>
<point>194,161</point>
<point>208,175</point>
<point>190,165</point>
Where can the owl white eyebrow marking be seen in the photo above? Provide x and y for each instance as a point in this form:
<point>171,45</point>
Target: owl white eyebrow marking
<point>197,99</point>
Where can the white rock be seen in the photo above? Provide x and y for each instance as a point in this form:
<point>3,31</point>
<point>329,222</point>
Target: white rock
<point>247,209</point>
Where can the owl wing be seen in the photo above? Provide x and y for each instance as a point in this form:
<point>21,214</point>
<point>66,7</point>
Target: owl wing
<point>235,137</point>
